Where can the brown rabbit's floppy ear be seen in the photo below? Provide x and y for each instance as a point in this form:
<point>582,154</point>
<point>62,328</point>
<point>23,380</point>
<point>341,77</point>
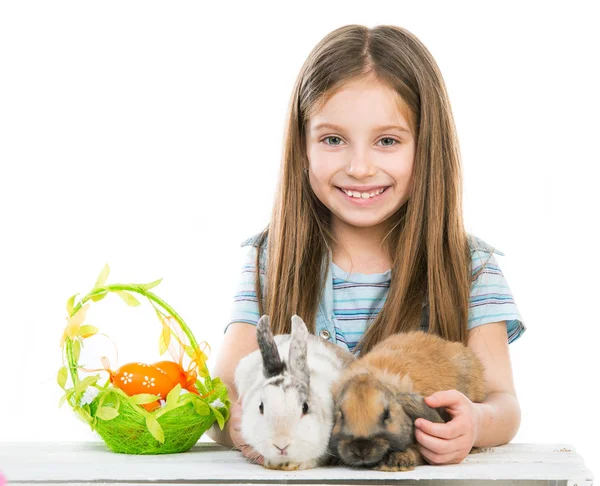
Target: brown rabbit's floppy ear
<point>415,407</point>
<point>298,345</point>
<point>272,365</point>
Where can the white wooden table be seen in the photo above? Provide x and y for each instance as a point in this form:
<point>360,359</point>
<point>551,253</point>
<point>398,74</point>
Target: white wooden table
<point>207,463</point>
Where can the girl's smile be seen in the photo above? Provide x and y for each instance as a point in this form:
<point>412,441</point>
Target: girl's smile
<point>363,196</point>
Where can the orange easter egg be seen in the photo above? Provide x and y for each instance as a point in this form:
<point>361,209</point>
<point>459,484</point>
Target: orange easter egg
<point>136,378</point>
<point>176,373</point>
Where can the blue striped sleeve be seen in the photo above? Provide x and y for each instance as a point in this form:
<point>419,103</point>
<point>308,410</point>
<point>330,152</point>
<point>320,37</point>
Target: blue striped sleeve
<point>491,299</point>
<point>245,304</point>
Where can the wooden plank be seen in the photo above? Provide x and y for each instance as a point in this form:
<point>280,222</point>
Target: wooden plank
<point>209,463</point>
<point>368,483</point>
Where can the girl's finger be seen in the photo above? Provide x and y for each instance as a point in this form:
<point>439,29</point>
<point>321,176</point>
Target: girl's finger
<point>447,398</point>
<point>251,454</point>
<point>433,458</point>
<point>449,430</point>
<point>435,444</point>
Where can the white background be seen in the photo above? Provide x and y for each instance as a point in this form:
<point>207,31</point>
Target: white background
<point>148,135</point>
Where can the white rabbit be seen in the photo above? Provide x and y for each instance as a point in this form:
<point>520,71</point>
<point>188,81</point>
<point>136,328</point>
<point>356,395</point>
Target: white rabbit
<point>285,387</point>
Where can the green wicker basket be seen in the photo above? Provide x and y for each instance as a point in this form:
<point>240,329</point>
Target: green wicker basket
<point>119,419</point>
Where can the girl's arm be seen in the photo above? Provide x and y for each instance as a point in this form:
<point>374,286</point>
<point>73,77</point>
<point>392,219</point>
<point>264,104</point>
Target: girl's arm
<point>499,414</point>
<point>239,341</point>
<point>493,422</point>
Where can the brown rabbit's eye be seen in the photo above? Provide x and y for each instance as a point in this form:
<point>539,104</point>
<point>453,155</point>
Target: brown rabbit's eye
<point>385,416</point>
<point>305,408</point>
<point>261,408</point>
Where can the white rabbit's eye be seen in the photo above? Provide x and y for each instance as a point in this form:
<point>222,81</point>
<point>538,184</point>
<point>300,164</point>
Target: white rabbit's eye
<point>305,408</point>
<point>261,408</point>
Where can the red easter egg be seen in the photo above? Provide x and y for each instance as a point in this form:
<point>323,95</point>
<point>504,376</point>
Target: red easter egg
<point>176,373</point>
<point>136,378</point>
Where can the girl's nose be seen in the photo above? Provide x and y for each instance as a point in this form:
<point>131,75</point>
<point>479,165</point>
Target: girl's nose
<point>360,166</point>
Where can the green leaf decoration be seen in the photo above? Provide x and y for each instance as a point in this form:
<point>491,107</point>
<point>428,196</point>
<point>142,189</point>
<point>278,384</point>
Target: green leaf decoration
<point>159,313</point>
<point>76,349</point>
<point>164,340</point>
<point>71,304</point>
<point>107,413</point>
<point>102,277</point>
<point>62,377</point>
<point>87,331</point>
<point>85,415</point>
<point>129,299</point>
<point>220,390</point>
<point>226,414</point>
<point>151,285</point>
<point>201,408</point>
<point>143,399</point>
<point>155,429</point>
<point>200,386</point>
<point>218,416</point>
<point>99,297</point>
<point>62,400</point>
<point>173,395</point>
<point>87,381</point>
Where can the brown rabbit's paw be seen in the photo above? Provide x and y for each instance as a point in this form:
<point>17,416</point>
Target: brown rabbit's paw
<point>399,461</point>
<point>479,450</point>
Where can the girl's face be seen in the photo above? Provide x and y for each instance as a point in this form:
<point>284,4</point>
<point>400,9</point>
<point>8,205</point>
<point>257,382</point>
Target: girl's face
<point>361,149</point>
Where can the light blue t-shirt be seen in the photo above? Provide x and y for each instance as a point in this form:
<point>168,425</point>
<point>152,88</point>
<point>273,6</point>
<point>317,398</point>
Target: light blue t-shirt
<point>351,301</point>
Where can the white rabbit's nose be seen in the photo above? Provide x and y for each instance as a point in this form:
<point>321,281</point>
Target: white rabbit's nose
<point>282,449</point>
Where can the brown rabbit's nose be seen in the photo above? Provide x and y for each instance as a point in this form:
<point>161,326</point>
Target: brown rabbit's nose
<point>360,448</point>
<point>282,450</point>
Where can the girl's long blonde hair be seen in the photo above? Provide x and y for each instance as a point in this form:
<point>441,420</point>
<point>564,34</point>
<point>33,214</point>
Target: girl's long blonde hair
<point>427,241</point>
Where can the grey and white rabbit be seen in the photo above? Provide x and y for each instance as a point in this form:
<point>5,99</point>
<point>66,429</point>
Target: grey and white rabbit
<point>285,387</point>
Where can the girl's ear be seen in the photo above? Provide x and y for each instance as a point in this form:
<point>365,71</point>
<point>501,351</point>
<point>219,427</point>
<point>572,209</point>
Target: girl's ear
<point>272,365</point>
<point>415,407</point>
<point>298,349</point>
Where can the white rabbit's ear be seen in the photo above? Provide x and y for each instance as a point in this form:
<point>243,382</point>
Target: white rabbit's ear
<point>298,326</point>
<point>298,346</point>
<point>272,365</point>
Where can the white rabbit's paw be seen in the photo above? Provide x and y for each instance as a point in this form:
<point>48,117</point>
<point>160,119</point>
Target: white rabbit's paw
<point>280,466</point>
<point>290,466</point>
<point>308,464</point>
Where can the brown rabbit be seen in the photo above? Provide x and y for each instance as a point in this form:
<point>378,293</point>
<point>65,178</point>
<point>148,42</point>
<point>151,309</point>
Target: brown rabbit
<point>380,395</point>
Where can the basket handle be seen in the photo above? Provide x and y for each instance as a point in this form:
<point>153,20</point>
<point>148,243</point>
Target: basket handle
<point>72,364</point>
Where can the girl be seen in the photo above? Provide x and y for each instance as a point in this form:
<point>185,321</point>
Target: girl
<point>367,237</point>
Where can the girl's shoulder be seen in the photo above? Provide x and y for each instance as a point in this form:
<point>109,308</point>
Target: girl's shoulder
<point>255,240</point>
<point>477,244</point>
<point>250,246</point>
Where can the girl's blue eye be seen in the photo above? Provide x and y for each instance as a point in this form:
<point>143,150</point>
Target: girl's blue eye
<point>333,137</point>
<point>390,141</point>
<point>388,144</point>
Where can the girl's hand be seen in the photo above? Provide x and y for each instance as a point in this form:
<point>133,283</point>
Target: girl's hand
<point>235,432</point>
<point>451,442</point>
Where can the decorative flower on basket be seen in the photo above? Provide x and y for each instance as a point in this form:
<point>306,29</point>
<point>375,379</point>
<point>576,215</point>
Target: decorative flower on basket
<point>142,408</point>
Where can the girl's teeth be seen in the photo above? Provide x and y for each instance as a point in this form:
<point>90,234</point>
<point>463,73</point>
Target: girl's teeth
<point>363,195</point>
